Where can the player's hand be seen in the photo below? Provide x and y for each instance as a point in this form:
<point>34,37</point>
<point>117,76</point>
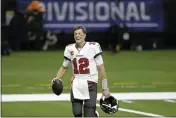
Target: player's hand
<point>106,93</point>
<point>52,81</point>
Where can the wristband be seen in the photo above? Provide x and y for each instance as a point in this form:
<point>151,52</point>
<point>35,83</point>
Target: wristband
<point>104,84</point>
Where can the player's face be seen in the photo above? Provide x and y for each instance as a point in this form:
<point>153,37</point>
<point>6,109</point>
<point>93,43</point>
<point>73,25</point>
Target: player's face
<point>79,36</point>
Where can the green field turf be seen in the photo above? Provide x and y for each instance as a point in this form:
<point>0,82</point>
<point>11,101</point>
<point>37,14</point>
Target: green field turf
<point>154,106</point>
<point>46,109</point>
<point>31,72</point>
<point>147,71</point>
<point>64,108</point>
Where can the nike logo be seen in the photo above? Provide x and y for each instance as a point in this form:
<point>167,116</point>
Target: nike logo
<point>109,105</point>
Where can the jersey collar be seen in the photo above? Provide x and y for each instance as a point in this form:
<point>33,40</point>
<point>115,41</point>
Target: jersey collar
<point>82,46</point>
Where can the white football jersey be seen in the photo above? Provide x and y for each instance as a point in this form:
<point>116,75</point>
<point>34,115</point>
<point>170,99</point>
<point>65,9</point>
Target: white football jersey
<point>83,60</point>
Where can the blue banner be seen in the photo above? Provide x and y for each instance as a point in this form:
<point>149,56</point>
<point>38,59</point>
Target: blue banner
<point>98,15</point>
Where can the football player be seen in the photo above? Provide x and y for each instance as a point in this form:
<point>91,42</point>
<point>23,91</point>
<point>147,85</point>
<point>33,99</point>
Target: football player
<point>87,63</point>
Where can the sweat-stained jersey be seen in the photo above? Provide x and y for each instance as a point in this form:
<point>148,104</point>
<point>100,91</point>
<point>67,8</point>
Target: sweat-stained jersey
<point>84,61</point>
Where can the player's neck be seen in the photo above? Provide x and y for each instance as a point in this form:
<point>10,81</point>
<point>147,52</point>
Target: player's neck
<point>81,44</point>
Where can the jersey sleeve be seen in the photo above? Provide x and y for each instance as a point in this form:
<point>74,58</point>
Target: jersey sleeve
<point>66,63</point>
<point>99,60</point>
<point>67,55</point>
<point>98,50</point>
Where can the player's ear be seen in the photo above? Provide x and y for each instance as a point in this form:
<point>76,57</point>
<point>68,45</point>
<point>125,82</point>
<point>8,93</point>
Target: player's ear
<point>85,36</point>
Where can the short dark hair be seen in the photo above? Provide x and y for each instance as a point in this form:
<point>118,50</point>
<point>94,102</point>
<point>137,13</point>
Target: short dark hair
<point>79,27</point>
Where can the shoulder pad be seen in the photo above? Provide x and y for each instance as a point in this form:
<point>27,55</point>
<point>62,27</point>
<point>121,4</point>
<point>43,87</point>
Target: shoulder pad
<point>92,43</point>
<point>69,45</point>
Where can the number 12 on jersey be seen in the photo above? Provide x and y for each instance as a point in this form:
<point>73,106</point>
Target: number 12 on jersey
<point>80,66</point>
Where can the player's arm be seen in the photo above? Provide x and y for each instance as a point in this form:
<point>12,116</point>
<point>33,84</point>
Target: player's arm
<point>101,70</point>
<point>102,74</point>
<point>64,67</point>
<point>100,67</point>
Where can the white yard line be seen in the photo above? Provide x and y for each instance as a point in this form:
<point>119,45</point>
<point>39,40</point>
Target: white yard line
<point>127,101</point>
<point>137,112</point>
<point>66,96</point>
<point>172,101</point>
<point>119,96</point>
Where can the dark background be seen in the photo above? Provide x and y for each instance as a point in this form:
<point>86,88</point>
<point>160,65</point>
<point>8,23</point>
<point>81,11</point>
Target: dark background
<point>164,40</point>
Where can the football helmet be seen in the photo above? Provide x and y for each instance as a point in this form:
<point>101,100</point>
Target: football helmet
<point>57,86</point>
<point>109,105</point>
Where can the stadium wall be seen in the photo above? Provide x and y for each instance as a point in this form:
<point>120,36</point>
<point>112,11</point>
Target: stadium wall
<point>149,40</point>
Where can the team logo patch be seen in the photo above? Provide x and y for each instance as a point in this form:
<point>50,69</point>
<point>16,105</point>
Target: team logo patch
<point>71,52</point>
